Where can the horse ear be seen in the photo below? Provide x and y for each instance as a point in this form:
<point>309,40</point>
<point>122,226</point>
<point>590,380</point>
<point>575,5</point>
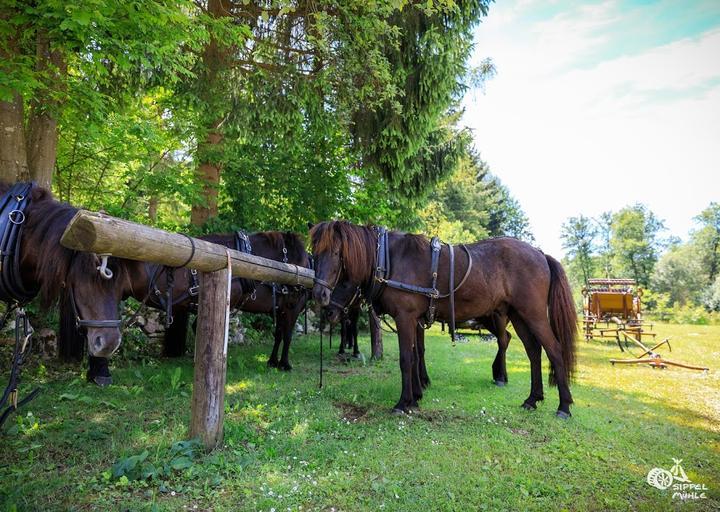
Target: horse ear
<point>310,225</point>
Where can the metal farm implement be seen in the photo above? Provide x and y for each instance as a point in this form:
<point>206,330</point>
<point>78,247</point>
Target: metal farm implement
<point>649,356</point>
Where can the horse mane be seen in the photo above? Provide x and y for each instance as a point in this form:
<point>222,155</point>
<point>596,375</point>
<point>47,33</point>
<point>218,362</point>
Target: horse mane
<point>293,242</point>
<point>46,220</point>
<point>355,243</point>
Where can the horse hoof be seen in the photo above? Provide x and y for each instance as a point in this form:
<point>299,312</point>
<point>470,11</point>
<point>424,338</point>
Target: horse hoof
<point>285,367</point>
<point>528,406</point>
<point>101,381</point>
<point>272,363</point>
<point>397,411</point>
<point>500,383</point>
<point>563,415</point>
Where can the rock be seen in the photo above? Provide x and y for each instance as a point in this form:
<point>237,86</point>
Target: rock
<point>47,343</point>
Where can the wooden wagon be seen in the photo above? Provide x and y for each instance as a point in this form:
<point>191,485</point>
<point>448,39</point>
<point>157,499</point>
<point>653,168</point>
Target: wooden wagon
<point>613,308</point>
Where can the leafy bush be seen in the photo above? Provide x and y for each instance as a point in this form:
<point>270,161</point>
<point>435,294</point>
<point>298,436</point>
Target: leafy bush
<point>180,456</point>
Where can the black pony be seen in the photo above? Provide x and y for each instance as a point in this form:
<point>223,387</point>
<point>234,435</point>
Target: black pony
<point>55,273</point>
<point>283,303</point>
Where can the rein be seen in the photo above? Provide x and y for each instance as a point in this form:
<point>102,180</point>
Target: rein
<point>12,290</point>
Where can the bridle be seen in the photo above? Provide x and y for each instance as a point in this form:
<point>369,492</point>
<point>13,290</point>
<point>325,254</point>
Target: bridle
<point>346,307</point>
<point>97,324</point>
<point>326,284</point>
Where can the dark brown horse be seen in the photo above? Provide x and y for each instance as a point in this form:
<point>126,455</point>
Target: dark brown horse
<point>52,272</point>
<point>285,304</point>
<point>508,275</point>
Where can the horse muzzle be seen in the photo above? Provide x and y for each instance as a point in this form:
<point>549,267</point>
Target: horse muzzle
<point>103,342</point>
<point>321,294</point>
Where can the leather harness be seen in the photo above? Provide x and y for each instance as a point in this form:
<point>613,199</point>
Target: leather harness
<point>382,270</point>
<point>12,216</point>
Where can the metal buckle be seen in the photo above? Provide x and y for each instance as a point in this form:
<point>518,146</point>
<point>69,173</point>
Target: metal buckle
<point>193,290</point>
<point>16,213</point>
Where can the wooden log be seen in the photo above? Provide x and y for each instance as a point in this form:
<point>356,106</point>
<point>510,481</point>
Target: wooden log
<point>208,394</point>
<point>102,234</point>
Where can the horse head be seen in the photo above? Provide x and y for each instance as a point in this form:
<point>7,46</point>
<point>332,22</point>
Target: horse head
<point>342,253</point>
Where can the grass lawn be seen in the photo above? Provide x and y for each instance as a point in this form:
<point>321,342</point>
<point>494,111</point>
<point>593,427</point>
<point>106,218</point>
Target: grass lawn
<point>290,446</point>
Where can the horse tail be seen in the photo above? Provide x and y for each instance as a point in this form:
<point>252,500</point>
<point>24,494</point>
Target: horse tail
<point>71,341</point>
<point>563,317</point>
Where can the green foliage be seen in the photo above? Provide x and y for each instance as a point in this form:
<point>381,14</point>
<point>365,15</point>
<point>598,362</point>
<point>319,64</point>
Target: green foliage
<point>707,242</point>
<point>635,242</point>
<point>678,273</point>
<point>578,237</point>
<point>180,456</point>
<point>711,296</point>
<point>471,204</point>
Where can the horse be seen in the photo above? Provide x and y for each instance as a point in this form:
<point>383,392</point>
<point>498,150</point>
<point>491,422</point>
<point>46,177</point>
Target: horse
<point>284,303</point>
<point>43,268</point>
<point>509,275</point>
<point>345,307</point>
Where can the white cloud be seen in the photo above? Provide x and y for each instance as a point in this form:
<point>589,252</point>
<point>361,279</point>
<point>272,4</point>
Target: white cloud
<point>585,139</point>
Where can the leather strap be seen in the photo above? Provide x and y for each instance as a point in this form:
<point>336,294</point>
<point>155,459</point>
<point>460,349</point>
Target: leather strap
<point>12,217</point>
<point>100,324</point>
<point>451,288</point>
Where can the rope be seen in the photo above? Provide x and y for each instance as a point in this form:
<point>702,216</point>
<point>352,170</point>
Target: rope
<point>192,250</point>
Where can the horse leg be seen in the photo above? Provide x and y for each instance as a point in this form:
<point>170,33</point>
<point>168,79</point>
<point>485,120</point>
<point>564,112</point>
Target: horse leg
<point>287,324</point>
<point>277,334</point>
<point>406,341</point>
<point>343,334</point>
<point>539,325</point>
<point>99,371</point>
<point>422,369</point>
<point>498,327</point>
<point>176,334</point>
<point>353,327</point>
<point>534,353</point>
<point>376,346</point>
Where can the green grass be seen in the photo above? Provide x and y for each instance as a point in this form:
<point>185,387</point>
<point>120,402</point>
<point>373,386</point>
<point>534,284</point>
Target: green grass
<point>291,446</point>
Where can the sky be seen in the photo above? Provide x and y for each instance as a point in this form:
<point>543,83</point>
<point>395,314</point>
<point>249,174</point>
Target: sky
<point>599,105</point>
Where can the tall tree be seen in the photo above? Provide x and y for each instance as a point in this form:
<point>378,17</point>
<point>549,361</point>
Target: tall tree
<point>707,240</point>
<point>635,242</point>
<point>90,55</point>
<point>678,273</point>
<point>578,238</point>
<point>395,67</point>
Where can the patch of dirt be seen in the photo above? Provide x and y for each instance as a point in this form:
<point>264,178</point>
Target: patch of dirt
<point>351,412</point>
<point>520,431</point>
<point>437,416</point>
<point>346,371</point>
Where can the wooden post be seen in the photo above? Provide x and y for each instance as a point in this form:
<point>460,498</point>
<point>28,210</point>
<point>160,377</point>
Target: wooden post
<point>208,395</point>
<point>102,234</point>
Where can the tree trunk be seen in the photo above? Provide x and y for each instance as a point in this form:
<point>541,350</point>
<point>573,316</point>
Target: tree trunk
<point>13,156</point>
<point>42,135</point>
<point>152,208</point>
<point>209,175</point>
<point>209,151</point>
